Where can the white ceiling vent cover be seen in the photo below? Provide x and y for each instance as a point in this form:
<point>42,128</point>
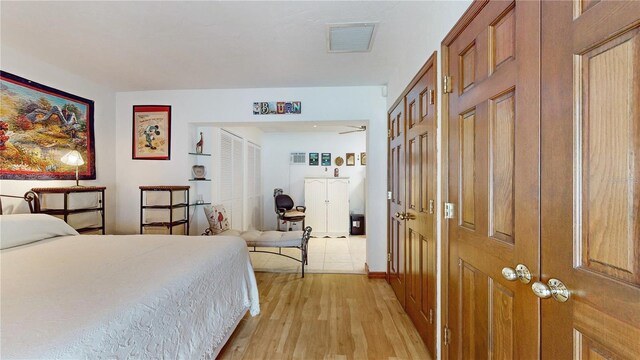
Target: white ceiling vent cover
<point>354,37</point>
<point>298,158</point>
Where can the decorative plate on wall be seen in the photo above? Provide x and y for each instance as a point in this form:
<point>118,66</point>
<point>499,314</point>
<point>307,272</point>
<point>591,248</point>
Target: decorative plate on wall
<point>339,161</point>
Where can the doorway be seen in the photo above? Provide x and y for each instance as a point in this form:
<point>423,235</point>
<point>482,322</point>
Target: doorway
<point>287,156</point>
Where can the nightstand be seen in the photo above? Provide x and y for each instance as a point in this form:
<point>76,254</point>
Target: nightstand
<point>67,202</point>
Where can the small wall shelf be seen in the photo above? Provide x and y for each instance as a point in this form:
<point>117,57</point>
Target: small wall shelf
<point>199,179</point>
<point>199,154</point>
<point>196,204</point>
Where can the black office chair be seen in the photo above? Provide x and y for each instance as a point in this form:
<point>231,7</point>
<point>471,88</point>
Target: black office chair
<point>286,210</point>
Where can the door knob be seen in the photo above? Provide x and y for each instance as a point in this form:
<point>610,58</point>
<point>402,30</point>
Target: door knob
<point>521,273</point>
<point>400,215</point>
<point>554,288</point>
<point>409,216</point>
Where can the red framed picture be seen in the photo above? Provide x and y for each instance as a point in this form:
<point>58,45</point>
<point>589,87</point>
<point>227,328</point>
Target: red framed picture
<point>151,139</point>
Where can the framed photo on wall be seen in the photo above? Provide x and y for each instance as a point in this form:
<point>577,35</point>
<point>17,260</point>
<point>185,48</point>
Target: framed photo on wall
<point>313,159</point>
<point>351,159</point>
<point>38,126</point>
<point>151,139</point>
<point>363,158</point>
<point>326,159</point>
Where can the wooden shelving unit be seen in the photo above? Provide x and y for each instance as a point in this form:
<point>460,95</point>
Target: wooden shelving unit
<point>171,206</point>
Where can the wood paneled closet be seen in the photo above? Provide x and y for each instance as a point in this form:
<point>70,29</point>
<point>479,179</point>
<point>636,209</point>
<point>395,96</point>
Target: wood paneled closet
<point>412,185</point>
<point>543,137</point>
<point>541,161</point>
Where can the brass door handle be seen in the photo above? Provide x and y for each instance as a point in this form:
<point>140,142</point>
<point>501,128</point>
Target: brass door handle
<point>521,273</point>
<point>400,215</point>
<point>553,288</point>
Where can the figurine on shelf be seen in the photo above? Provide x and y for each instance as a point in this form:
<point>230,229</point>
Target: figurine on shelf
<point>336,172</point>
<point>198,172</point>
<point>199,144</point>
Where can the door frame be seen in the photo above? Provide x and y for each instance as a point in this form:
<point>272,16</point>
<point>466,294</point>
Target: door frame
<point>443,270</point>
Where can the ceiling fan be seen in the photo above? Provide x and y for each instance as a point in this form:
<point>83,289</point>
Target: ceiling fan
<point>356,129</point>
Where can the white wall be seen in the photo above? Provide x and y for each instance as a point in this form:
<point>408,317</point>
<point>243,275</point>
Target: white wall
<point>278,173</point>
<point>234,106</point>
<point>34,69</point>
<point>425,37</point>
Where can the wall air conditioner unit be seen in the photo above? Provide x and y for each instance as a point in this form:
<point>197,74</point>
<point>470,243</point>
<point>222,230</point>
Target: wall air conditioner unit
<point>298,158</point>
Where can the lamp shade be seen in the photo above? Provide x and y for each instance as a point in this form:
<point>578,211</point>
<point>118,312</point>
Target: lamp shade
<point>73,157</point>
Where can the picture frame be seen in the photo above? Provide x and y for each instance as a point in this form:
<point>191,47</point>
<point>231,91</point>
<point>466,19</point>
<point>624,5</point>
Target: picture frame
<point>351,159</point>
<point>313,159</point>
<point>151,132</point>
<point>363,158</point>
<point>40,125</point>
<point>326,159</point>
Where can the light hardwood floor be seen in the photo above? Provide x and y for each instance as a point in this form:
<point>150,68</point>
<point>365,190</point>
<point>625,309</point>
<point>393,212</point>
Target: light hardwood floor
<point>325,316</point>
<point>326,256</point>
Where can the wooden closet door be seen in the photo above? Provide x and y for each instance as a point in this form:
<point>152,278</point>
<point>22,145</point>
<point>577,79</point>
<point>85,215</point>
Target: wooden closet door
<point>396,167</point>
<point>591,178</point>
<point>420,187</point>
<point>493,179</point>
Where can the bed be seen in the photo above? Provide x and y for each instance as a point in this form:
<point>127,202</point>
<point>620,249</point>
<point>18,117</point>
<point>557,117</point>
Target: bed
<point>66,295</point>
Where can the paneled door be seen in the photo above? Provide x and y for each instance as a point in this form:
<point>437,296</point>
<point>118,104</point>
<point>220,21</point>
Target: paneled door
<point>591,179</point>
<point>420,191</point>
<point>315,199</point>
<point>396,170</point>
<point>337,206</point>
<point>493,180</point>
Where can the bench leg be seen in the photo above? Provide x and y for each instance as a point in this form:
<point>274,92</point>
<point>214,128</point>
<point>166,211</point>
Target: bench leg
<point>304,260</point>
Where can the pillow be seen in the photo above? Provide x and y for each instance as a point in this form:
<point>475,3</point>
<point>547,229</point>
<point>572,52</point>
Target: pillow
<point>20,229</point>
<point>217,217</point>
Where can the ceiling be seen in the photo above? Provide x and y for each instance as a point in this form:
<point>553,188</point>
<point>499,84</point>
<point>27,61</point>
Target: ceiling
<point>154,45</point>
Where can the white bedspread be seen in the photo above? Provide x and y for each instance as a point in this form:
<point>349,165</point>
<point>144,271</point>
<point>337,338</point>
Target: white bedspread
<point>143,297</point>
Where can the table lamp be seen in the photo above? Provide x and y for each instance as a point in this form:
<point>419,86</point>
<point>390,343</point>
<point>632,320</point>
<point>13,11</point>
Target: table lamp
<point>73,158</point>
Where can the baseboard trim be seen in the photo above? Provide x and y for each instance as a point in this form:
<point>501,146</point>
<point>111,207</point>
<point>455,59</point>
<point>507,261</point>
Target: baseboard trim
<point>374,275</point>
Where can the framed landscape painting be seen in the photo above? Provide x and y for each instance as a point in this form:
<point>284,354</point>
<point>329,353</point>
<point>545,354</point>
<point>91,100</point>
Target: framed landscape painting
<point>38,126</point>
<point>151,132</point>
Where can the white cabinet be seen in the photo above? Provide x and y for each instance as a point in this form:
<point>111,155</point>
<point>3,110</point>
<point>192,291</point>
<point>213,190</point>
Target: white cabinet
<point>327,202</point>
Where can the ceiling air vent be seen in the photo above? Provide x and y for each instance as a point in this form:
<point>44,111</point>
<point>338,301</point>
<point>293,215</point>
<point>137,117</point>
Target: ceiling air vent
<point>298,158</point>
<point>355,37</point>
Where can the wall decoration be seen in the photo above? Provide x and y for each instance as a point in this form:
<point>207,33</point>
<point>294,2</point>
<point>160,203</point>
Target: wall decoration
<point>38,126</point>
<point>363,158</point>
<point>351,159</point>
<point>200,144</point>
<point>339,161</point>
<point>326,159</point>
<point>199,171</point>
<point>151,138</point>
<point>278,108</point>
<point>313,159</point>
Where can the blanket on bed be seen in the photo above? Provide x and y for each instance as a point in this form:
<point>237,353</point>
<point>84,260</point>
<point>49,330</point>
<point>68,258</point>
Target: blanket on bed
<point>124,296</point>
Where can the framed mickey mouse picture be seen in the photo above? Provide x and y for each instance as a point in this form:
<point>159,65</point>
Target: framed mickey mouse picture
<point>151,139</point>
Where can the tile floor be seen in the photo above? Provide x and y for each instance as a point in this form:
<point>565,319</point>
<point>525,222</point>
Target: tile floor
<point>326,255</point>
